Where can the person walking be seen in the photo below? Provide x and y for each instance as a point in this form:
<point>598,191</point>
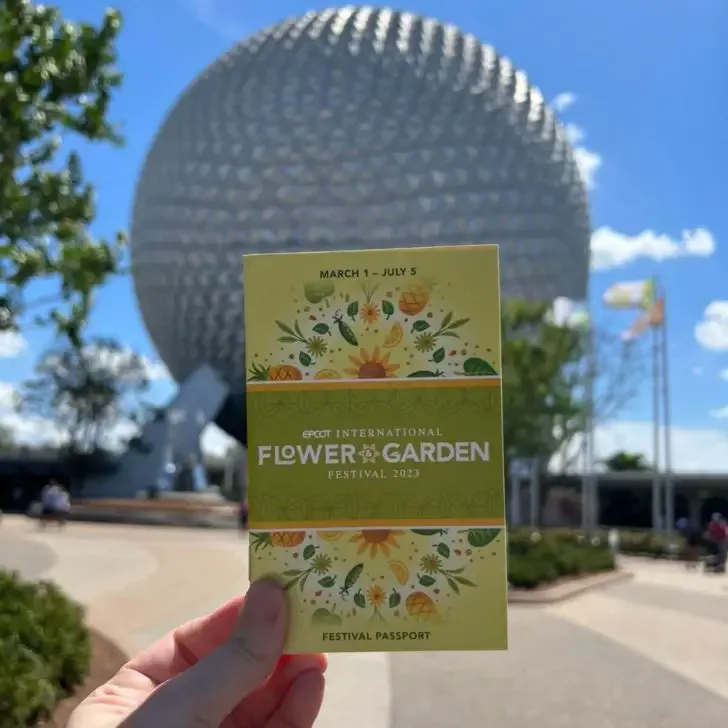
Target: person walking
<point>718,537</point>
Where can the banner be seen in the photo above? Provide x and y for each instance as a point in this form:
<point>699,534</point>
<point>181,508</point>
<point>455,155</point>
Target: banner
<point>635,294</point>
<point>654,318</point>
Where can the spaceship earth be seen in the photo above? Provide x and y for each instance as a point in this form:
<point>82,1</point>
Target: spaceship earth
<point>346,128</point>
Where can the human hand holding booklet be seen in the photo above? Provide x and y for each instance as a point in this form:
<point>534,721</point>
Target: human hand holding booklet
<point>375,446</point>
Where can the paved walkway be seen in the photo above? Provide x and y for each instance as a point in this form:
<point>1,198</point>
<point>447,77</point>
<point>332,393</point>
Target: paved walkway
<point>648,653</point>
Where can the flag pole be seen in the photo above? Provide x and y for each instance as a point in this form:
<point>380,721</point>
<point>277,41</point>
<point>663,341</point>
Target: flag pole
<point>669,482</point>
<point>656,397</point>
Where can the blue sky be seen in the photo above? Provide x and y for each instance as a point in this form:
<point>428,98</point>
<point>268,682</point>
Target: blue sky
<point>642,86</point>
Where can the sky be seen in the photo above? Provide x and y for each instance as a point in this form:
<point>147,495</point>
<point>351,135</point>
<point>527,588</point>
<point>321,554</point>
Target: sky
<point>642,89</point>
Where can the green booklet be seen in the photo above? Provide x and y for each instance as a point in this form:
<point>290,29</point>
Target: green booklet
<point>375,446</point>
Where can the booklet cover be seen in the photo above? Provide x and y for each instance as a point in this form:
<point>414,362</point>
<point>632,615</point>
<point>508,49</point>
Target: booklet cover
<point>375,446</point>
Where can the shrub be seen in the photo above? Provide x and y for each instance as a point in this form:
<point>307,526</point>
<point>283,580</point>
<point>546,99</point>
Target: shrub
<point>536,558</point>
<point>45,649</point>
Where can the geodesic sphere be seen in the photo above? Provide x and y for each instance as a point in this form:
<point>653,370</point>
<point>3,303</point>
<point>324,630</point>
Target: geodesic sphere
<point>347,128</point>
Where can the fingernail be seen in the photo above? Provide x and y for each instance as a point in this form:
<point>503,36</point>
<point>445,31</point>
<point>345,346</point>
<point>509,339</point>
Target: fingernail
<point>264,602</point>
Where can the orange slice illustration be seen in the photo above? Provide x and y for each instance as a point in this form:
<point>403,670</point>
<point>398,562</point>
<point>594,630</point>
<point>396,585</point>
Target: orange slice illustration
<point>400,571</point>
<point>421,608</point>
<point>394,337</point>
<point>330,535</point>
<point>327,374</point>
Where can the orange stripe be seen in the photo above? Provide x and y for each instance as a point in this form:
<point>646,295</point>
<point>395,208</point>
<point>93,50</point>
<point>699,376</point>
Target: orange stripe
<point>324,385</point>
<point>378,523</point>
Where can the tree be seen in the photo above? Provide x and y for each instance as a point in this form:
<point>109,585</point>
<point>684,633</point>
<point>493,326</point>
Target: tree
<point>93,395</point>
<point>7,438</point>
<point>56,81</point>
<point>547,373</point>
<point>626,462</point>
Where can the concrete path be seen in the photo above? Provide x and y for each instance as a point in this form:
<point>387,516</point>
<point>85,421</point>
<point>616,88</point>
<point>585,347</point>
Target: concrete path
<point>648,653</point>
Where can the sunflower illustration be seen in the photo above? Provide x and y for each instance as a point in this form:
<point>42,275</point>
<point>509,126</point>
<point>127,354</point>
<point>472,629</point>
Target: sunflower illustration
<point>321,564</point>
<point>371,366</point>
<point>430,564</point>
<point>376,540</point>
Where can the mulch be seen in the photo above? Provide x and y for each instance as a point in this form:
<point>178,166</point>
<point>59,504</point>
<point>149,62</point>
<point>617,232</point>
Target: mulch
<point>106,659</point>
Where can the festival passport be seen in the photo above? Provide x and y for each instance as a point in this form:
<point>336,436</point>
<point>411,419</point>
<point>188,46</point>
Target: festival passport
<point>375,446</point>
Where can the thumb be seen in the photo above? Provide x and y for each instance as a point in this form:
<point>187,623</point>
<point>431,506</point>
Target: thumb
<point>206,694</point>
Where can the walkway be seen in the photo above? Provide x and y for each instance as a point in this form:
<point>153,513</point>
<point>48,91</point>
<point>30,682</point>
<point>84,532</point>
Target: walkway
<point>641,654</point>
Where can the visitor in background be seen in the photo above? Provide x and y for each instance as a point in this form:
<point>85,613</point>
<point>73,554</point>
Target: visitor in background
<point>693,537</point>
<point>718,538</point>
<point>47,503</point>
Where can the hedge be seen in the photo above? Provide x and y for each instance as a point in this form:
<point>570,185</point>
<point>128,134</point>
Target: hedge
<point>536,558</point>
<point>45,649</point>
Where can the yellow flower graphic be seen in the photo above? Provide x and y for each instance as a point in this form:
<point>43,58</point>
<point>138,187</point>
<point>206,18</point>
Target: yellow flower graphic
<point>371,366</point>
<point>375,595</point>
<point>321,564</point>
<point>430,564</point>
<point>316,346</point>
<point>370,313</point>
<point>368,453</point>
<point>376,540</point>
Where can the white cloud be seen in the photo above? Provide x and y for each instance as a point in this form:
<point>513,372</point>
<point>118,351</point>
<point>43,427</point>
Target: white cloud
<point>610,249</point>
<point>563,101</point>
<point>724,374</point>
<point>720,414</point>
<point>12,344</point>
<point>566,312</point>
<point>694,450</point>
<point>116,360</point>
<point>215,441</point>
<point>712,330</point>
<point>217,16</point>
<point>698,371</point>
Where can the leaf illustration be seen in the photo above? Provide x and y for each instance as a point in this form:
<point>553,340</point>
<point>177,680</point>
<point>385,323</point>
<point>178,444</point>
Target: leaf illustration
<point>303,581</point>
<point>309,551</point>
<point>394,599</point>
<point>420,325</point>
<point>321,329</point>
<point>463,580</point>
<point>353,576</point>
<point>444,550</point>
<point>446,320</point>
<point>292,572</point>
<point>480,537</point>
<point>456,571</point>
<point>426,580</point>
<point>475,367</point>
<point>453,585</point>
<point>423,373</point>
<point>428,531</point>
<point>286,329</point>
<point>387,308</point>
<point>451,334</point>
<point>298,329</point>
<point>287,339</point>
<point>352,309</point>
<point>438,355</point>
<point>359,600</point>
<point>327,582</point>
<point>305,359</point>
<point>457,324</point>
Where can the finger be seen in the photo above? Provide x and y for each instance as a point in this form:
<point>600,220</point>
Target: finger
<point>302,703</point>
<point>256,710</point>
<point>207,692</point>
<point>178,650</point>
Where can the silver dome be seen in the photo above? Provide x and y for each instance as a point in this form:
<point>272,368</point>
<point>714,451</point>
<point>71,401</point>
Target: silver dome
<point>346,128</point>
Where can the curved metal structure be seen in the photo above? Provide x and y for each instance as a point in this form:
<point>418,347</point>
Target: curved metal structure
<point>347,128</point>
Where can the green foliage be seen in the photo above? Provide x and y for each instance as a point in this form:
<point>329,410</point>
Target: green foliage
<point>539,382</point>
<point>45,649</point>
<point>626,462</point>
<point>539,558</point>
<point>56,81</point>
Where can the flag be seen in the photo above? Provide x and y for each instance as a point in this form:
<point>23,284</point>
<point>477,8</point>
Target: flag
<point>635,294</point>
<point>653,318</point>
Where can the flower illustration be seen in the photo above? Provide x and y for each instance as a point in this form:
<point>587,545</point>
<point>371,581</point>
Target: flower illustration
<point>368,453</point>
<point>425,342</point>
<point>376,540</point>
<point>369,313</point>
<point>371,366</point>
<point>430,564</point>
<point>376,595</point>
<point>316,346</point>
<point>321,564</point>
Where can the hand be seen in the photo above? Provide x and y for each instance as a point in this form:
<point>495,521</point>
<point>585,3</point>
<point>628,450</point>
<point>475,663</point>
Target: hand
<point>224,670</point>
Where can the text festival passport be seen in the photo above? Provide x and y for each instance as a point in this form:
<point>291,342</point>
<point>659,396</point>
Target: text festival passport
<point>375,446</point>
